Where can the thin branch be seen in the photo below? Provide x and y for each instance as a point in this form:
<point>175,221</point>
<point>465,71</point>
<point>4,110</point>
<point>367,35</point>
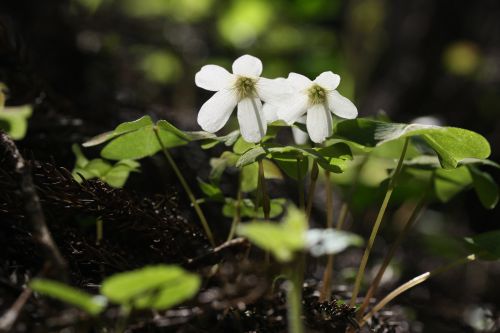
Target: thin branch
<point>32,206</point>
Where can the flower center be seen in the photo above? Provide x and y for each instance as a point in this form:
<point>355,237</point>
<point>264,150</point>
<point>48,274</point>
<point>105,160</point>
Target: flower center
<point>245,87</point>
<point>317,94</point>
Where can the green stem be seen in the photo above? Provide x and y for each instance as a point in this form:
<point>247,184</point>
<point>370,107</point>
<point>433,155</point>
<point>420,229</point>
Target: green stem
<point>237,210</point>
<point>300,186</point>
<point>325,293</point>
<point>402,235</point>
<point>187,189</point>
<point>378,221</point>
<point>412,283</point>
<point>312,187</point>
<point>327,273</point>
<point>294,296</point>
<point>266,206</point>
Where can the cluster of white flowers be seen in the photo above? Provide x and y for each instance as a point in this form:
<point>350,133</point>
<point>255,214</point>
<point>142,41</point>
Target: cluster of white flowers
<point>289,99</point>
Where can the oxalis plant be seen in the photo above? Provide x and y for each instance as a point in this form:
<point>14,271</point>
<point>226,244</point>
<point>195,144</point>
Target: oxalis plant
<point>331,143</point>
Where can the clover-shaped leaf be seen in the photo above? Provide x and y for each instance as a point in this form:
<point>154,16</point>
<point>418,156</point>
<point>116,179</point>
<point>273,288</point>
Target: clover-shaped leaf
<point>449,182</point>
<point>113,174</point>
<point>155,287</point>
<point>452,145</point>
<point>91,304</point>
<point>283,239</point>
<point>332,158</point>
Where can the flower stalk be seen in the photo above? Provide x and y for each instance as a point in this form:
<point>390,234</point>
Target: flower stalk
<point>237,210</point>
<point>402,235</point>
<point>414,282</point>
<point>378,221</point>
<point>186,188</point>
<point>312,188</point>
<point>294,295</point>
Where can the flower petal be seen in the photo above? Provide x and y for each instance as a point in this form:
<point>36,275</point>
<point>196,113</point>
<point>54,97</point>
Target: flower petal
<point>253,126</point>
<point>328,80</point>
<point>247,65</point>
<point>299,81</point>
<point>270,112</point>
<point>292,110</point>
<point>319,123</point>
<point>215,112</point>
<point>275,90</point>
<point>299,136</point>
<point>213,78</point>
<point>341,106</point>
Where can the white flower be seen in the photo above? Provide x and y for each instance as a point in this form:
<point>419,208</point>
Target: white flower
<point>271,115</point>
<point>318,98</point>
<point>245,89</point>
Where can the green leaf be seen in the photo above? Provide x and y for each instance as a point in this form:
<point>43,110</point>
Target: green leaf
<point>117,176</point>
<point>250,175</point>
<point>250,156</point>
<point>283,239</point>
<point>330,241</point>
<point>333,161</point>
<point>14,120</point>
<point>137,139</point>
<point>486,245</point>
<point>210,140</point>
<point>449,182</point>
<point>123,128</point>
<point>451,144</point>
<point>89,303</point>
<point>211,190</point>
<point>140,143</point>
<point>247,208</point>
<point>81,160</point>
<point>293,165</point>
<point>154,287</point>
<point>485,187</point>
<point>241,146</point>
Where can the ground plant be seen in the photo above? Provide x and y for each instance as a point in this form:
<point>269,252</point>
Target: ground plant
<point>272,242</point>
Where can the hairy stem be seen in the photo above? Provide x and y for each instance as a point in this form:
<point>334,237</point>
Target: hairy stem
<point>402,235</point>
<point>186,188</point>
<point>378,221</point>
<point>412,283</point>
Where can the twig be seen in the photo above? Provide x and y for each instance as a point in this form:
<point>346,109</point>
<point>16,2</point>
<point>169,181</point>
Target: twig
<point>10,316</point>
<point>32,206</point>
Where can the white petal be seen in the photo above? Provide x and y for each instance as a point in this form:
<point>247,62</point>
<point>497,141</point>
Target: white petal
<point>341,106</point>
<point>290,111</point>
<point>213,78</point>
<point>299,81</point>
<point>253,126</point>
<point>299,136</point>
<point>275,90</point>
<point>319,123</point>
<point>215,112</point>
<point>247,65</point>
<point>328,80</point>
<point>270,112</point>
